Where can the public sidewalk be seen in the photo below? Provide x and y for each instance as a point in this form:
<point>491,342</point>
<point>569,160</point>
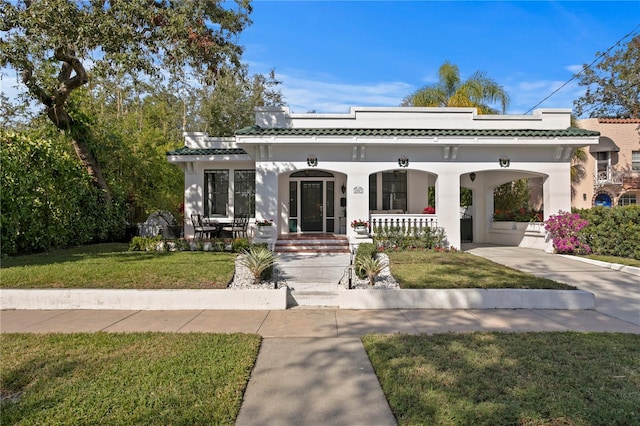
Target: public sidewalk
<point>310,323</point>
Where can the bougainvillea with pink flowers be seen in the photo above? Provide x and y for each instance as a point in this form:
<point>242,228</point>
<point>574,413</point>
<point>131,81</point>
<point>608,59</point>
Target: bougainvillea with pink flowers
<point>563,228</point>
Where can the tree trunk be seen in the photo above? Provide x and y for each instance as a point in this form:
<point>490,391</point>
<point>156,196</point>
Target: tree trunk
<point>72,76</point>
<point>64,122</point>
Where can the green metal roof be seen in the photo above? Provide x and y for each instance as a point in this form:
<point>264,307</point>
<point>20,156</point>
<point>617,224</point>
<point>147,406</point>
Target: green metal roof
<point>514,133</point>
<point>207,151</point>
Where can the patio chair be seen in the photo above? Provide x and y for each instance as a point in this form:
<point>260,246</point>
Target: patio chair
<point>197,227</point>
<point>239,226</point>
<point>206,228</point>
<point>200,228</point>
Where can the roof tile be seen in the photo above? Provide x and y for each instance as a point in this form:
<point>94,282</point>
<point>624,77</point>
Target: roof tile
<point>619,120</point>
<point>207,151</point>
<point>570,132</point>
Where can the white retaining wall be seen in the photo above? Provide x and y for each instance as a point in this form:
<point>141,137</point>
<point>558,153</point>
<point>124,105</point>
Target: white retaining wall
<point>465,299</point>
<point>143,300</point>
<point>277,299</point>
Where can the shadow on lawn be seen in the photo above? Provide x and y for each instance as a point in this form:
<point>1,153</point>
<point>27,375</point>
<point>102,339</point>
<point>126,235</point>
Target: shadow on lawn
<point>508,378</point>
<point>119,252</point>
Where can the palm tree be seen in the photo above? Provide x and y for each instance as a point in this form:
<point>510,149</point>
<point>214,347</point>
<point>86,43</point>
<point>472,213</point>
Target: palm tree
<point>477,91</point>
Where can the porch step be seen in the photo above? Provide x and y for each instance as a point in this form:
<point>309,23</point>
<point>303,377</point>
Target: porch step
<point>311,244</point>
<point>312,299</point>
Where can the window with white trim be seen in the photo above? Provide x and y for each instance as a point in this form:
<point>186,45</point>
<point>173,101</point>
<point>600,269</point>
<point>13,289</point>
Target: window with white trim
<point>244,192</point>
<point>635,161</point>
<point>216,192</point>
<point>627,200</point>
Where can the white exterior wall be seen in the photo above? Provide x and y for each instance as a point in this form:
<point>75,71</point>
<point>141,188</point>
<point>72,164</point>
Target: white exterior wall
<point>443,162</point>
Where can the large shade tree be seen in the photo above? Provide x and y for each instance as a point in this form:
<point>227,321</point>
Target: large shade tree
<point>613,84</point>
<point>55,45</point>
<point>230,105</point>
<point>478,91</point>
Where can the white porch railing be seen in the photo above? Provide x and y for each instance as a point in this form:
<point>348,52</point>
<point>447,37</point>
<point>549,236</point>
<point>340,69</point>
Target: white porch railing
<point>404,221</point>
<point>608,177</point>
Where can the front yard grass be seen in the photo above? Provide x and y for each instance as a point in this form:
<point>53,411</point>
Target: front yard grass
<point>615,259</point>
<point>141,378</point>
<point>509,378</point>
<point>439,270</point>
<point>113,266</point>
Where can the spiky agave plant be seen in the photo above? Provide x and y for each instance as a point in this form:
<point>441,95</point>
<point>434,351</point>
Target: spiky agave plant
<point>257,260</point>
<point>369,266</point>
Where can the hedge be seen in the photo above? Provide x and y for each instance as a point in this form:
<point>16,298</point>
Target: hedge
<point>48,199</point>
<point>613,231</point>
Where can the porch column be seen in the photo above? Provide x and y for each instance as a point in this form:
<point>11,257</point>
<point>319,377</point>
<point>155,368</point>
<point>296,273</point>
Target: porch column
<point>557,190</point>
<point>193,198</point>
<point>448,206</point>
<point>357,199</point>
<point>267,193</point>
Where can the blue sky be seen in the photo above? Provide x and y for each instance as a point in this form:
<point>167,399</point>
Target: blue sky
<point>331,55</point>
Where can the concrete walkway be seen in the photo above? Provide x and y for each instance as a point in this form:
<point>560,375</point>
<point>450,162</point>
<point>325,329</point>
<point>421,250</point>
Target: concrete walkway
<point>312,368</point>
<point>305,272</point>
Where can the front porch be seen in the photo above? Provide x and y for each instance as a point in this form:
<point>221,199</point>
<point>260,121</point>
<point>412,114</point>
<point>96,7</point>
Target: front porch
<point>320,172</point>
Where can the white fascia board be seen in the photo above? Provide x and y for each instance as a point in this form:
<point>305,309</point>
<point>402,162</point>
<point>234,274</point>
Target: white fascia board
<point>391,141</point>
<point>200,158</point>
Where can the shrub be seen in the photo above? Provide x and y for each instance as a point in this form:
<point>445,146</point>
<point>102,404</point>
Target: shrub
<point>521,215</point>
<point>613,231</point>
<point>365,252</point>
<point>239,245</point>
<point>48,200</point>
<point>145,243</point>
<point>369,267</point>
<point>564,229</point>
<point>259,261</point>
<point>413,237</point>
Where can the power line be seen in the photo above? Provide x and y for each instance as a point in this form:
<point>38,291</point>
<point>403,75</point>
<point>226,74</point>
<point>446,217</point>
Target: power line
<point>583,69</point>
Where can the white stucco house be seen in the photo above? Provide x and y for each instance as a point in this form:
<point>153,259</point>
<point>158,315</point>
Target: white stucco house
<point>316,173</point>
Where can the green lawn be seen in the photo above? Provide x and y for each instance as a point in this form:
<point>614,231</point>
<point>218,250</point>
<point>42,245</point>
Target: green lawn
<point>510,378</point>
<point>141,378</point>
<point>615,259</point>
<point>430,269</point>
<point>113,266</point>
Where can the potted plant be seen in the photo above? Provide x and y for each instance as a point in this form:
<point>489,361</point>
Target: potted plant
<point>361,227</point>
<point>264,227</point>
<point>429,210</point>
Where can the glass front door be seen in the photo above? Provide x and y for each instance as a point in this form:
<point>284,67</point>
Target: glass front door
<point>311,205</point>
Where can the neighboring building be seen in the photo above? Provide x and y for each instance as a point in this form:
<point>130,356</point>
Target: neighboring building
<point>320,172</point>
<point>612,170</point>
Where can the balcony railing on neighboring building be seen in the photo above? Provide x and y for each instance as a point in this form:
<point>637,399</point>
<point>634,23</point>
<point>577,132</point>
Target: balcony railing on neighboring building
<point>608,177</point>
<point>403,221</point>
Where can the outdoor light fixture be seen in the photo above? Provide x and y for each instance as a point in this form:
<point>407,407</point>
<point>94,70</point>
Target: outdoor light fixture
<point>343,188</point>
<point>504,162</point>
<point>584,197</point>
<point>403,161</point>
<point>472,176</point>
<point>312,161</point>
<point>275,278</point>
